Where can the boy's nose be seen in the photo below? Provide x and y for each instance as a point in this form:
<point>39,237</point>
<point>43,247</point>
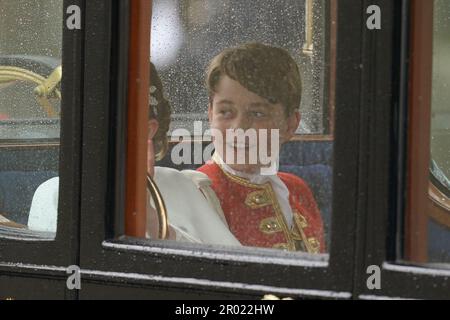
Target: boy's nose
<point>242,122</point>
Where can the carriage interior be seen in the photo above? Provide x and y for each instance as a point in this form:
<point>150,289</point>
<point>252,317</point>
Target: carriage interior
<point>29,142</point>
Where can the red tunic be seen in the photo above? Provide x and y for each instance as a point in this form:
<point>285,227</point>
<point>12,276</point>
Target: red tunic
<point>255,217</point>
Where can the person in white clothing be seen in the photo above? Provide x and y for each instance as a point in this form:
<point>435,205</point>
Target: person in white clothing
<point>194,213</point>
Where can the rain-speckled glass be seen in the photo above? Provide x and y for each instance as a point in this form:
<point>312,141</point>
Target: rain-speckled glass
<point>30,102</point>
<point>185,36</point>
<point>439,224</point>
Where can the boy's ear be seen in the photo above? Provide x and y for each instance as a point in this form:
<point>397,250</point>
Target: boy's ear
<point>210,111</point>
<point>152,128</point>
<point>293,121</point>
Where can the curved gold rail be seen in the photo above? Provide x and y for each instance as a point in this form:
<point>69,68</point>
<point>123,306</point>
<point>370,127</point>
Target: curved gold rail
<point>160,208</point>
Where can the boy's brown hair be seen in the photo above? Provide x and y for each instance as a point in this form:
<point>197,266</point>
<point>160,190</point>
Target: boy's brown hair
<point>268,71</point>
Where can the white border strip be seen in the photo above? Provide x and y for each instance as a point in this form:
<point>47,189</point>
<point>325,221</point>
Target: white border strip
<point>370,297</point>
<point>215,256</point>
<point>33,267</point>
<point>416,270</point>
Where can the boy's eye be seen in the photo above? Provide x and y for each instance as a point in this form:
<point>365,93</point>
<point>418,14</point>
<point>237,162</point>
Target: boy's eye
<point>258,114</point>
<point>225,113</point>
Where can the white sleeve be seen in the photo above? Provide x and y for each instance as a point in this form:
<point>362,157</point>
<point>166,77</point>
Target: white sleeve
<point>203,183</point>
<point>44,207</point>
<point>189,212</point>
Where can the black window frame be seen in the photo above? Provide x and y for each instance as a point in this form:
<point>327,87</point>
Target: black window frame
<point>383,175</point>
<point>50,258</point>
<point>368,183</point>
<point>107,255</point>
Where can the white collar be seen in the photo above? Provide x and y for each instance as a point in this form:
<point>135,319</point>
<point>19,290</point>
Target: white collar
<point>252,177</point>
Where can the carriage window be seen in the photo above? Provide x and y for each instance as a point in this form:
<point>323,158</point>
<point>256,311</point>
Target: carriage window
<point>428,232</point>
<point>241,77</point>
<point>439,212</point>
<point>187,34</point>
<point>30,98</point>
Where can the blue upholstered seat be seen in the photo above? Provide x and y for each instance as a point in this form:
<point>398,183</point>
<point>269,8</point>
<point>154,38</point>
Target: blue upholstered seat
<point>438,242</point>
<point>312,161</point>
<point>306,153</point>
<point>319,179</point>
<point>16,192</point>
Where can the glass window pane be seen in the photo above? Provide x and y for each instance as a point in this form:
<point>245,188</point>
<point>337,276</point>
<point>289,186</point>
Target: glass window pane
<point>200,29</point>
<point>220,201</point>
<point>30,100</point>
<point>439,225</point>
<point>427,218</point>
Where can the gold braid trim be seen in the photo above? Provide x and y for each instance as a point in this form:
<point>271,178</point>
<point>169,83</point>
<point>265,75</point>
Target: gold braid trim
<point>279,214</point>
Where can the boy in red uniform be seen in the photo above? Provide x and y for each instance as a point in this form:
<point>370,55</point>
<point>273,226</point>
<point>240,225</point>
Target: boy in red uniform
<point>258,87</point>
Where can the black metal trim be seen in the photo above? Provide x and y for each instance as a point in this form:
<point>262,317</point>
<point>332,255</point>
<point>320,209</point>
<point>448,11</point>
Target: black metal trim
<point>64,250</point>
<point>115,224</point>
<point>400,132</point>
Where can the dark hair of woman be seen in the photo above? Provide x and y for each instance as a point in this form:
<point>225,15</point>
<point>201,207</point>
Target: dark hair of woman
<point>160,110</point>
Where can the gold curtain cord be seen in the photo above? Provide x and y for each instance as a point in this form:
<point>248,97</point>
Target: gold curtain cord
<point>45,90</point>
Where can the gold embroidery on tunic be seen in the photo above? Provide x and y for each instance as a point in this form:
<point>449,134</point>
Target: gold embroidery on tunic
<point>272,199</point>
<point>257,199</point>
<point>282,246</point>
<point>270,225</point>
<point>312,246</point>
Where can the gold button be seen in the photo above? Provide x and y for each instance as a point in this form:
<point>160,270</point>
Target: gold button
<point>258,199</point>
<point>270,225</point>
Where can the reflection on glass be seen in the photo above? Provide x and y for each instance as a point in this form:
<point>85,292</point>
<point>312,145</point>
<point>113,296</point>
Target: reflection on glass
<point>30,101</point>
<point>258,76</point>
<point>439,225</point>
<point>187,34</point>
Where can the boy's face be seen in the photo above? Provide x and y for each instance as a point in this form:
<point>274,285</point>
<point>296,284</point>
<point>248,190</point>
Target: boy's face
<point>234,107</point>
